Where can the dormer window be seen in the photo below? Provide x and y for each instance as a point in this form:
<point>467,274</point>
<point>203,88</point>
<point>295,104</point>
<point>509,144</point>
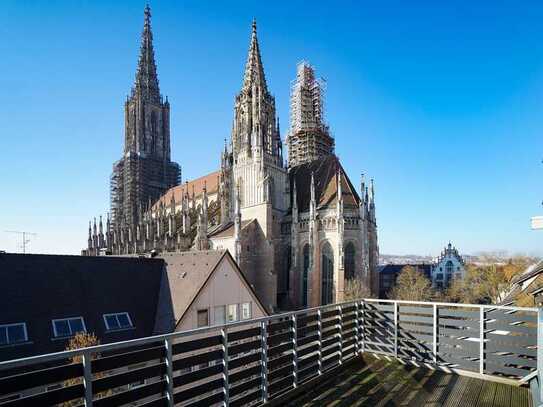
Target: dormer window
<point>120,320</point>
<point>13,333</point>
<point>63,328</point>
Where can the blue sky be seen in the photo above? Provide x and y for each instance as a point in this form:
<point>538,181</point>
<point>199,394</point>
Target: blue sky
<point>440,102</point>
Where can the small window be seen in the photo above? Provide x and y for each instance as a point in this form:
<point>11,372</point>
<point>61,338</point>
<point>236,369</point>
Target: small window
<point>220,313</point>
<point>203,318</point>
<point>246,310</point>
<point>13,333</point>
<point>233,313</point>
<point>119,320</point>
<point>68,326</point>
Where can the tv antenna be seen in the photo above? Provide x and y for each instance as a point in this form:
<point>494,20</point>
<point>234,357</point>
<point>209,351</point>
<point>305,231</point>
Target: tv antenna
<point>25,236</point>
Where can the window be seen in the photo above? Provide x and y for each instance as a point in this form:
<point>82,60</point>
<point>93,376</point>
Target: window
<point>349,261</point>
<point>232,313</point>
<point>439,276</point>
<point>13,333</point>
<point>203,318</point>
<point>68,326</point>
<point>327,269</point>
<point>220,313</point>
<point>449,267</point>
<point>120,320</point>
<point>246,310</point>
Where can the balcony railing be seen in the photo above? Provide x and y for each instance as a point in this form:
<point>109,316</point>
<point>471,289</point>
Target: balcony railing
<point>254,361</point>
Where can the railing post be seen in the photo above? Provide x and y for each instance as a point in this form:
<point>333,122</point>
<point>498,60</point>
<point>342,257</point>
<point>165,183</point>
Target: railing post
<point>169,371</point>
<point>340,334</point>
<point>395,329</point>
<point>295,349</point>
<point>87,378</point>
<point>434,333</point>
<point>540,351</point>
<point>356,330</point>
<point>264,362</point>
<point>362,329</point>
<point>319,331</point>
<point>224,334</point>
<point>481,339</point>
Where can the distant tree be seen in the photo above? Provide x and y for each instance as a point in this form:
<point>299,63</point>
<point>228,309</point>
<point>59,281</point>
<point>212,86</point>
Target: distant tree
<point>486,284</point>
<point>355,289</point>
<point>412,285</point>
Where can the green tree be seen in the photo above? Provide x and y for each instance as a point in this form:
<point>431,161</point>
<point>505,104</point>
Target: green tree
<point>355,289</point>
<point>412,285</point>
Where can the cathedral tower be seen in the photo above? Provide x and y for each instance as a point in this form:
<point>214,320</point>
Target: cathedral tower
<point>309,137</point>
<point>257,151</point>
<point>145,172</point>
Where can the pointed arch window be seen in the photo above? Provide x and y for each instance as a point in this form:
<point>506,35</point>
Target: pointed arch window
<point>327,274</point>
<point>305,271</point>
<point>349,261</point>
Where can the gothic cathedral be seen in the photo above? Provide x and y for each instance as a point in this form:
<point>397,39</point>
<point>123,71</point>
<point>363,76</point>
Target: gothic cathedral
<point>298,228</point>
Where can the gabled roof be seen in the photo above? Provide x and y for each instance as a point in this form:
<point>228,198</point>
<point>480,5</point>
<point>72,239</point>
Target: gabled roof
<point>324,172</point>
<point>211,181</point>
<point>187,274</point>
<point>36,289</point>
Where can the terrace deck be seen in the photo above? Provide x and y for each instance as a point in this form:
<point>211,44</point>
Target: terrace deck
<point>375,381</point>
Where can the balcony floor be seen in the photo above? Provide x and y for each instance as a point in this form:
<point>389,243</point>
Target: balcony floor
<point>378,382</point>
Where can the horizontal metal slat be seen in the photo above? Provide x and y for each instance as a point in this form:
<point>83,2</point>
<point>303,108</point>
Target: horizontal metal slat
<point>244,334</point>
<point>308,372</point>
<point>132,376</point>
<point>508,370</point>
<point>513,360</point>
<point>328,314</point>
<point>208,401</point>
<point>458,322</point>
<point>305,362</point>
<point>410,309</point>
<point>202,358</point>
<point>130,396</point>
<point>247,399</point>
<point>280,349</point>
<point>49,398</point>
<point>197,375</point>
<point>494,346</point>
<point>197,344</point>
<point>278,362</point>
<point>503,316</point>
<point>281,372</point>
<point>381,307</point>
<point>23,381</point>
<point>127,359</point>
<point>199,390</point>
<point>245,386</point>
<point>459,313</point>
<point>514,340</point>
<point>280,385</point>
<point>308,350</point>
<point>244,347</point>
<point>244,374</point>
<point>307,340</point>
<point>275,340</point>
<point>416,318</point>
<point>279,327</point>
<point>244,360</point>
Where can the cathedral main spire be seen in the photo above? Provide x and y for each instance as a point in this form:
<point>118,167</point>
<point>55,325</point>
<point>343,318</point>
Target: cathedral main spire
<point>146,83</point>
<point>254,70</point>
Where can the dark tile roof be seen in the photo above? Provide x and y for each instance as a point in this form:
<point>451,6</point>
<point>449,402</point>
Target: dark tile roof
<point>325,175</point>
<point>36,289</point>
